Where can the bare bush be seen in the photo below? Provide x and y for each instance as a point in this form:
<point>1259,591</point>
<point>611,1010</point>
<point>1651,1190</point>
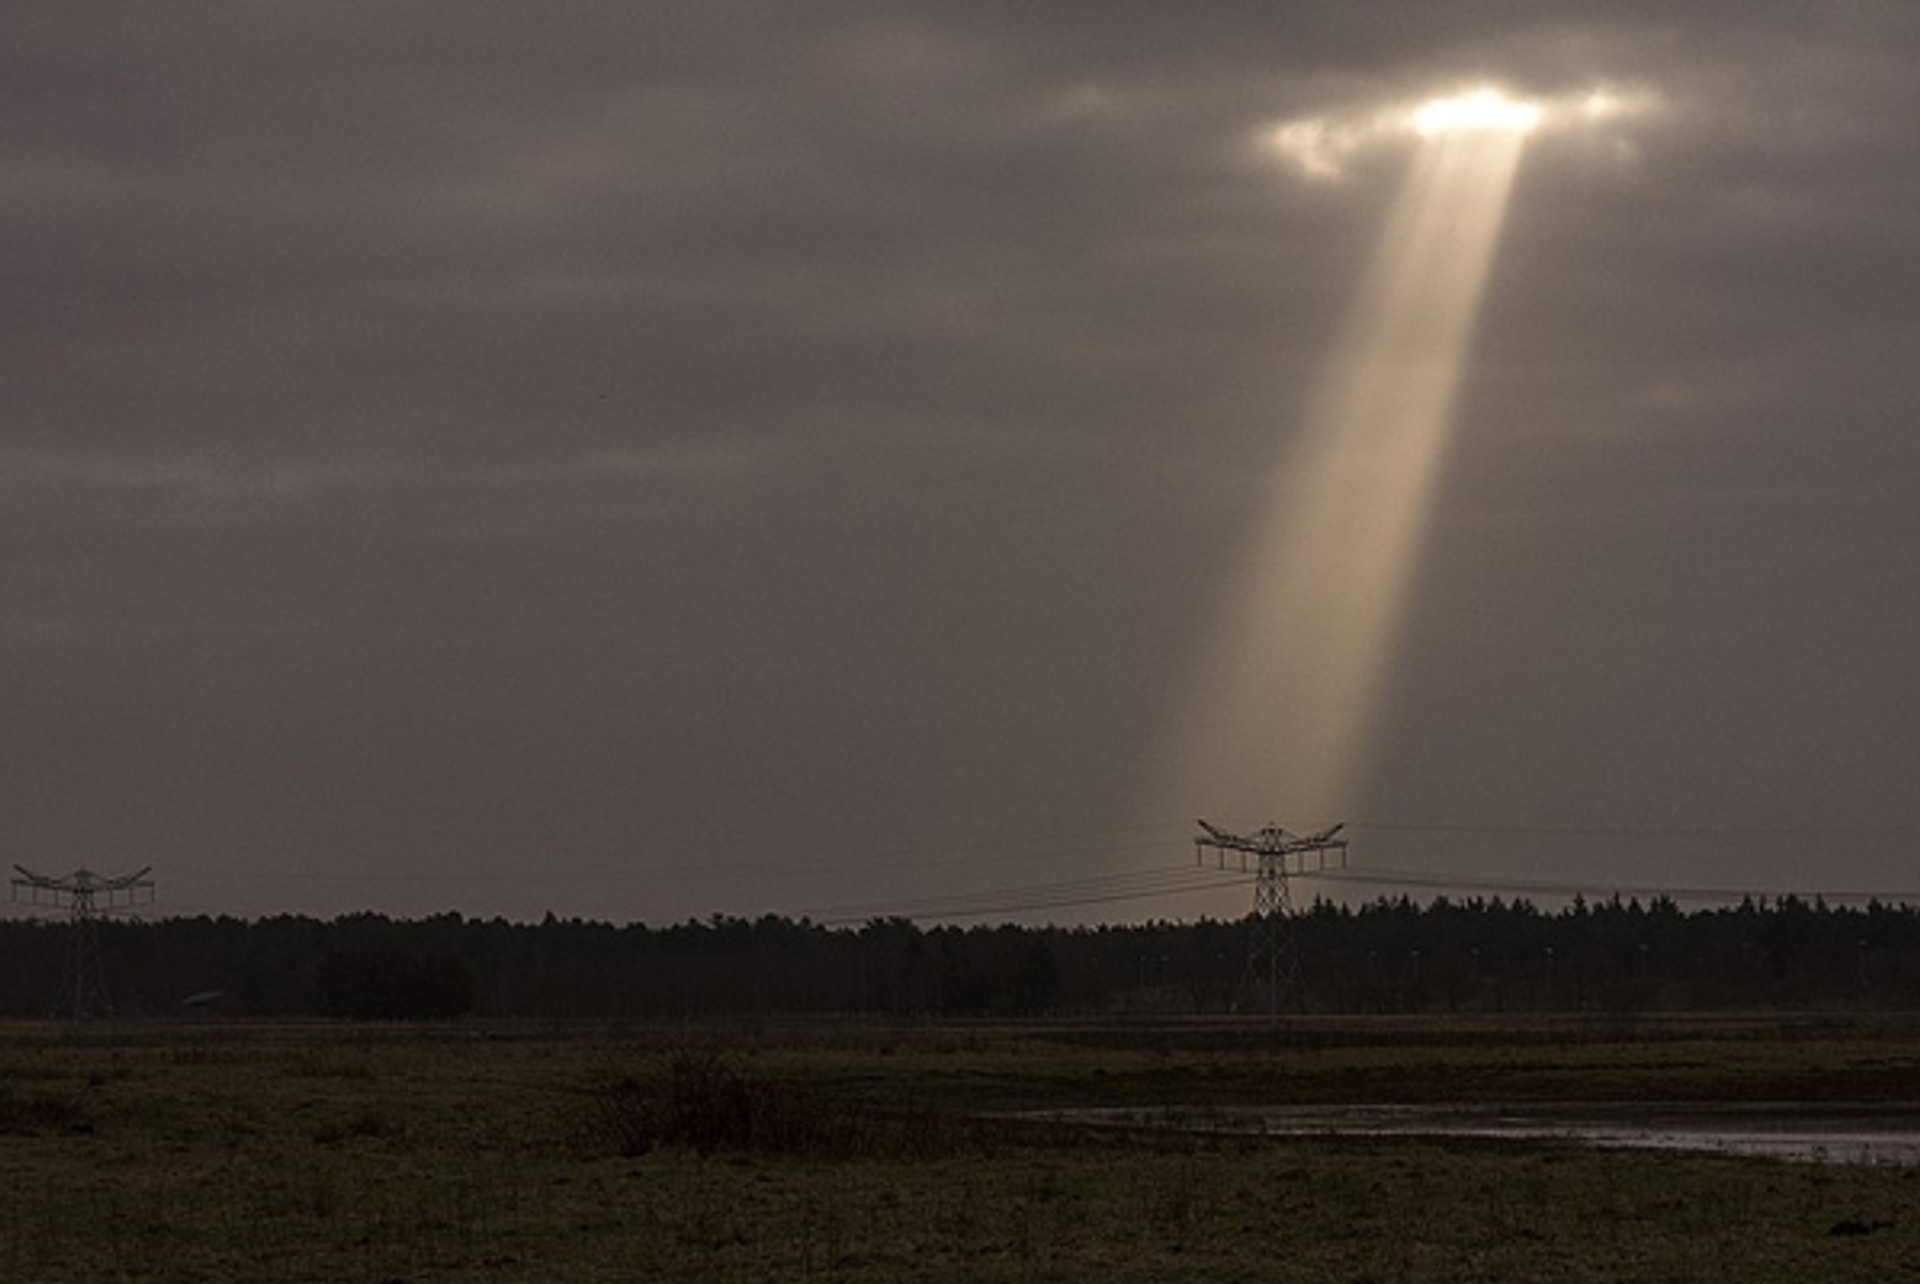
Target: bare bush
<point>700,1100</point>
<point>41,1112</point>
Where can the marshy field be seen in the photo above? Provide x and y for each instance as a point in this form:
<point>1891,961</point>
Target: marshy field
<point>1207,1149</point>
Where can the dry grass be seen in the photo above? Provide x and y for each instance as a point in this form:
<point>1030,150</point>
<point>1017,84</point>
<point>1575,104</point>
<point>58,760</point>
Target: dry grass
<point>334,1154</point>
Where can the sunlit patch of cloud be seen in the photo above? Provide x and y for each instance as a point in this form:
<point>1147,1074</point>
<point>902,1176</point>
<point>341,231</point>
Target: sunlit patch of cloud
<point>1322,147</point>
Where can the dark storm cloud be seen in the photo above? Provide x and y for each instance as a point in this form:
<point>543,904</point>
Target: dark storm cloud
<point>467,442</point>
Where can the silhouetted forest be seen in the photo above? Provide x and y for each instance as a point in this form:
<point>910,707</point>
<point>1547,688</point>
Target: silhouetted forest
<point>1387,956</point>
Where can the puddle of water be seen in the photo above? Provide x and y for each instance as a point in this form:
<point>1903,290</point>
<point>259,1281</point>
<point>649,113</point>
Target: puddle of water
<point>1881,1134</point>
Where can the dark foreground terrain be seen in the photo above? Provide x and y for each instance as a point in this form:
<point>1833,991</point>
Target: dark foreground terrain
<point>929,1152</point>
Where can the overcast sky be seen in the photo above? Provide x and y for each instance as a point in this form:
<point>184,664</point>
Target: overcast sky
<point>642,460</point>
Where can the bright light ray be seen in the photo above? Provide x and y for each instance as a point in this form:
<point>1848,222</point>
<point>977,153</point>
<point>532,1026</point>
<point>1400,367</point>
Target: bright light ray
<point>1281,710</point>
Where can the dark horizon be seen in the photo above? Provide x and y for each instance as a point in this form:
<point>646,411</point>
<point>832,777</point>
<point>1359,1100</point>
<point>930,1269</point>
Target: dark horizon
<point>1386,957</point>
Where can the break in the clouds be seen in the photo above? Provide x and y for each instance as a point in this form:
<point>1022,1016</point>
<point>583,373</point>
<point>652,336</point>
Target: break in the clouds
<point>646,460</point>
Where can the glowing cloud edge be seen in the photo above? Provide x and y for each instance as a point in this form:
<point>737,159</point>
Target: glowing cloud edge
<point>1319,146</point>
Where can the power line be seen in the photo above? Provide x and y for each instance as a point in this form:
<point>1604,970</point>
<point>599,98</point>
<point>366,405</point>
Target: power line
<point>1452,882</point>
<point>969,852</point>
<point>1149,884</point>
<point>1027,898</point>
<point>1168,883</point>
<point>1891,829</point>
<point>1113,845</point>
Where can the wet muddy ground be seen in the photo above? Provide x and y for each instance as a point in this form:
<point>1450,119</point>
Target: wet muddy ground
<point>1863,1133</point>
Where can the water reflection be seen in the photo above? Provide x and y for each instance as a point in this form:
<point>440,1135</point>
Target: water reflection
<point>1864,1133</point>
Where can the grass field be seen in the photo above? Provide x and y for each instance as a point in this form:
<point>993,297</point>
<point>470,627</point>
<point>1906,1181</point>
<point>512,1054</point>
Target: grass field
<point>857,1152</point>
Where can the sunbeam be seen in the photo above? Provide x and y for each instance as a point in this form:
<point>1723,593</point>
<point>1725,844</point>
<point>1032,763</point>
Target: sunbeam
<point>1281,707</point>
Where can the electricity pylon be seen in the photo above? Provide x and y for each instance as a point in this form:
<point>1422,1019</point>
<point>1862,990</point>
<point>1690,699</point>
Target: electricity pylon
<point>1273,950</point>
<point>86,896</point>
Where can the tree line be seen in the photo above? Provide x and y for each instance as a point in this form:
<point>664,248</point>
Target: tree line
<point>1390,955</point>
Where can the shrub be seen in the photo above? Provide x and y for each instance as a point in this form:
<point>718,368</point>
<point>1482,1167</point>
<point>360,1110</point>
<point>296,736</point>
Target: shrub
<point>40,1113</point>
<point>700,1100</point>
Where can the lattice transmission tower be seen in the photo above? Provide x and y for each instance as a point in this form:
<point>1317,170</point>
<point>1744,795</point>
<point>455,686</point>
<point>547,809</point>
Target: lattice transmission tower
<point>1274,855</point>
<point>87,897</point>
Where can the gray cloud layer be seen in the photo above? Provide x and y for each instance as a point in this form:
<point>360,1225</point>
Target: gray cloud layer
<point>446,447</point>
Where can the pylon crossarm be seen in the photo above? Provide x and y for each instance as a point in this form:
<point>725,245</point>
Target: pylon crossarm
<point>1273,962</point>
<point>88,898</point>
